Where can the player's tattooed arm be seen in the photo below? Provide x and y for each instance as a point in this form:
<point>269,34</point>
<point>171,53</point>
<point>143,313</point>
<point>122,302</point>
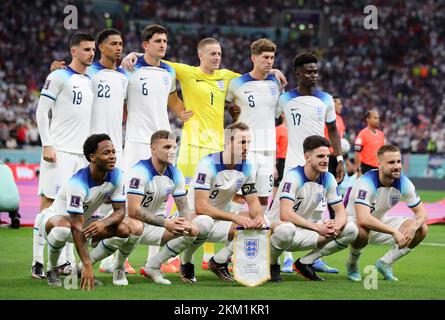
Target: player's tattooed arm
<point>148,217</point>
<point>183,207</point>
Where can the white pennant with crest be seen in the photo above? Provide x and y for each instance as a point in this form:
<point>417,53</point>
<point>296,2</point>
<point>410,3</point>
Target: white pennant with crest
<point>251,257</point>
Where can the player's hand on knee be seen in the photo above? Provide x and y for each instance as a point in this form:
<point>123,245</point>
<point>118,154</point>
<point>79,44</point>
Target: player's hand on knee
<point>49,154</point>
<point>326,230</point>
<point>87,278</point>
<point>57,65</point>
<point>175,226</point>
<point>400,239</point>
<point>94,229</point>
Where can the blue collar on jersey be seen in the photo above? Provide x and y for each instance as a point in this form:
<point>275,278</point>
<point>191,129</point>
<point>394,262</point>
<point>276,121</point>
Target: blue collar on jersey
<point>85,176</point>
<point>320,178</point>
<point>247,77</point>
<point>220,166</point>
<point>373,175</point>
<point>99,66</point>
<point>142,63</point>
<point>168,171</point>
<point>71,71</point>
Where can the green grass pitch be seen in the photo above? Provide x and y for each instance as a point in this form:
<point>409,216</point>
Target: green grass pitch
<point>421,274</point>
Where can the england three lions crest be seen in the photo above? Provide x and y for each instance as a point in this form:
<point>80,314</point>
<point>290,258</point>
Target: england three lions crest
<point>251,247</point>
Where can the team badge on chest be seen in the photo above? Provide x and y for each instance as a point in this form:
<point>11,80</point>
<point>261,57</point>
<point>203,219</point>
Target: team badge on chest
<point>220,84</point>
<point>393,200</point>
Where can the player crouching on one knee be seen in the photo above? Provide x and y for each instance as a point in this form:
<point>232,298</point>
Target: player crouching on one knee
<point>149,184</point>
<point>372,196</point>
<point>300,202</point>
<point>70,217</point>
<point>217,179</point>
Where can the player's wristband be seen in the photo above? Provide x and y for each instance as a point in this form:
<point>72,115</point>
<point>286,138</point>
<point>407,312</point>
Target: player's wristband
<point>339,158</point>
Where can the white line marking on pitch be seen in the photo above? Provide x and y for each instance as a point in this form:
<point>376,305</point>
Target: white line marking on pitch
<point>433,244</point>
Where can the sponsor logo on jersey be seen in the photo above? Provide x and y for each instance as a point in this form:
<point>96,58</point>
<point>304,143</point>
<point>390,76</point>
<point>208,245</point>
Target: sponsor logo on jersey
<point>251,248</point>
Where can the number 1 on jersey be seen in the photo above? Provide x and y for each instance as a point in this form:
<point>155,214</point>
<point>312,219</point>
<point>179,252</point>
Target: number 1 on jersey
<point>211,98</point>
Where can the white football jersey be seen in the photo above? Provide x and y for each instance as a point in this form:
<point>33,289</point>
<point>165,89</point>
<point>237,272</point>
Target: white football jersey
<point>71,112</point>
<point>222,183</point>
<point>81,195</point>
<point>310,198</point>
<point>305,116</point>
<point>148,91</point>
<point>257,100</point>
<point>368,191</point>
<point>144,180</point>
<point>110,92</point>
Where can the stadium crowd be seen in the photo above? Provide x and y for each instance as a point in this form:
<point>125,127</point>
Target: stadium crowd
<point>396,69</point>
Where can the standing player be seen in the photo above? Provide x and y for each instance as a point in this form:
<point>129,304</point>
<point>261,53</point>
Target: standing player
<point>68,94</point>
<point>372,196</point>
<point>110,90</point>
<point>70,217</point>
<point>368,142</point>
<point>300,202</point>
<point>256,94</point>
<point>307,110</point>
<point>204,91</point>
<point>218,177</point>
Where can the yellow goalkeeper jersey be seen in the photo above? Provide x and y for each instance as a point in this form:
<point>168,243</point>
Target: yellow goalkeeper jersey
<point>205,95</point>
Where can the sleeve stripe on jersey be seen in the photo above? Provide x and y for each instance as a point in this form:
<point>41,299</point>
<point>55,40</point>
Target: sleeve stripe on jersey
<point>363,203</point>
<point>287,197</point>
<point>135,192</point>
<point>201,188</point>
<point>335,201</point>
<point>74,212</point>
<point>414,205</point>
<point>48,96</point>
<point>180,194</point>
<point>330,122</point>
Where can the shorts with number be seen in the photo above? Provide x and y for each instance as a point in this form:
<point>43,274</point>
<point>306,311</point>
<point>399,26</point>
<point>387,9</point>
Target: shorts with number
<point>152,235</point>
<point>135,152</point>
<point>385,238</point>
<point>54,174</point>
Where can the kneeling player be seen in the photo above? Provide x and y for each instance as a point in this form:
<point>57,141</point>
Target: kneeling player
<point>70,218</point>
<point>300,203</point>
<point>372,196</point>
<point>150,182</point>
<point>217,179</point>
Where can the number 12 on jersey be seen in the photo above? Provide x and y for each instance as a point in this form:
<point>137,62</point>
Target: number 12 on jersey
<point>296,118</point>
